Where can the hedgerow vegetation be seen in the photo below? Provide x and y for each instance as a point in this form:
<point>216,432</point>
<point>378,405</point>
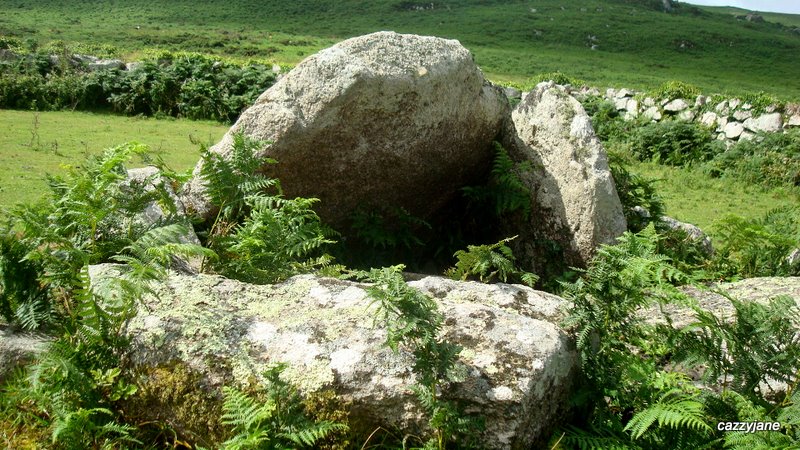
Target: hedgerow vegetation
<point>163,84</point>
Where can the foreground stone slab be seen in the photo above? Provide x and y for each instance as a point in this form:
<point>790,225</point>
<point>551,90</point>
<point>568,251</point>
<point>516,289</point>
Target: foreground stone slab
<point>518,364</point>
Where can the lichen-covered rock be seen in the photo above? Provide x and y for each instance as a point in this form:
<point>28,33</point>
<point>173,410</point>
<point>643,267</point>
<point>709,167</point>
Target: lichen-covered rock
<point>382,120</point>
<point>18,348</point>
<point>692,231</point>
<point>574,199</point>
<point>767,122</point>
<point>759,290</point>
<point>517,362</point>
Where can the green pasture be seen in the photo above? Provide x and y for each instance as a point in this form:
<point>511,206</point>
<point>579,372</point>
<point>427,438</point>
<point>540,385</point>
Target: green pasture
<point>33,144</point>
<point>637,45</point>
<point>692,196</point>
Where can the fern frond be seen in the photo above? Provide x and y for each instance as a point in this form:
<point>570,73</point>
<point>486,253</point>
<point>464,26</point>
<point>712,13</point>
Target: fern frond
<point>675,409</point>
<point>310,435</point>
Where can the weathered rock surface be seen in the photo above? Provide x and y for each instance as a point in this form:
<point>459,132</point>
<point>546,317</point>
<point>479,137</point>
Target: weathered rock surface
<point>733,130</point>
<point>149,180</point>
<point>105,64</point>
<point>767,122</point>
<point>676,105</point>
<point>18,348</point>
<point>692,231</point>
<point>517,363</point>
<point>759,290</point>
<point>379,120</point>
<point>575,202</point>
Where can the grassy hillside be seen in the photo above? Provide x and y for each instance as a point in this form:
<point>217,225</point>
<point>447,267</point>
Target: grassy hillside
<point>637,44</point>
<point>35,144</point>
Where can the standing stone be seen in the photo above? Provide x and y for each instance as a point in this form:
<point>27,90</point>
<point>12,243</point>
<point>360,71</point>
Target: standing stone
<point>382,120</point>
<point>573,194</point>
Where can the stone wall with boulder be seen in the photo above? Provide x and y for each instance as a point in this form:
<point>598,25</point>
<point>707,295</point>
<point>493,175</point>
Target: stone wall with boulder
<point>730,119</point>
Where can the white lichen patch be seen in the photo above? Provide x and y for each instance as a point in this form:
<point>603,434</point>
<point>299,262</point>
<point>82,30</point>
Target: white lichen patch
<point>501,394</point>
<point>321,295</point>
<point>350,297</point>
<point>485,361</point>
<point>312,377</point>
<point>262,333</point>
<point>345,360</point>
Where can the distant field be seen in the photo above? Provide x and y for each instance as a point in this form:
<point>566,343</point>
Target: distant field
<point>790,20</point>
<point>636,44</point>
<point>28,152</point>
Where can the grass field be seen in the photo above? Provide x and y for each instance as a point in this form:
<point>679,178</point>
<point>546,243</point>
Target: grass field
<point>34,144</point>
<point>691,196</point>
<point>63,138</point>
<point>638,46</point>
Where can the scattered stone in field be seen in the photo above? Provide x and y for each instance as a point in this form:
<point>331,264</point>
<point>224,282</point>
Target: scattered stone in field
<point>734,103</point>
<point>693,231</point>
<point>624,93</point>
<point>687,115</point>
<point>701,100</point>
<point>742,115</point>
<point>105,64</point>
<point>652,113</point>
<point>676,105</point>
<point>512,92</point>
<point>722,108</point>
<point>149,179</point>
<point>709,119</point>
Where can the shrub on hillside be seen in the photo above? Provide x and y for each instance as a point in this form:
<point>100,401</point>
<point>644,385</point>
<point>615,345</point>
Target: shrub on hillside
<point>674,143</point>
<point>675,89</point>
<point>759,247</point>
<point>191,86</point>
<point>769,160</point>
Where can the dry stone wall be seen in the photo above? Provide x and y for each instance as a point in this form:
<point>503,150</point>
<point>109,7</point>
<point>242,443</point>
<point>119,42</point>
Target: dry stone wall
<point>730,119</point>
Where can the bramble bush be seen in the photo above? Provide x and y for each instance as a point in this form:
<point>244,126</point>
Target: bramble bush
<point>184,85</point>
<point>768,160</point>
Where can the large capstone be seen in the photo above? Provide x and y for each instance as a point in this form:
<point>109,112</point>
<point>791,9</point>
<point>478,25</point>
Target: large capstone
<point>384,120</point>
<point>517,363</point>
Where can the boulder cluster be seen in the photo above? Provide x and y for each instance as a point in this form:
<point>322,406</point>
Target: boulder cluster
<point>403,121</point>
